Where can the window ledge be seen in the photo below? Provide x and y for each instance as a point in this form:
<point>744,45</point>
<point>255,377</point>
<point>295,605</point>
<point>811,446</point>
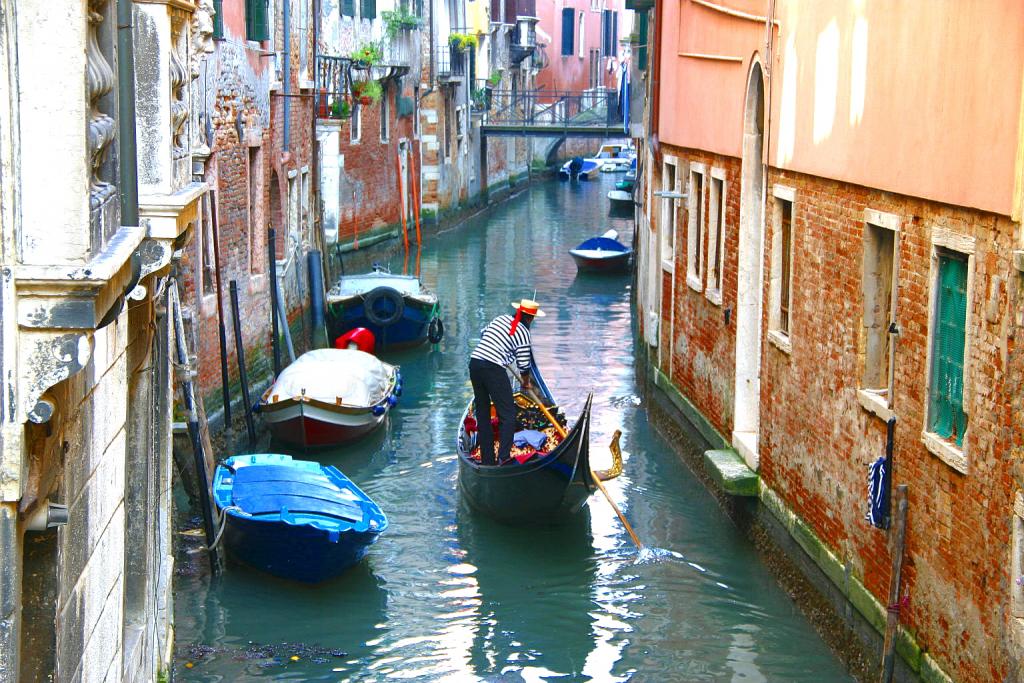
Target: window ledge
<point>780,340</point>
<point>714,296</point>
<point>306,84</point>
<point>668,266</point>
<point>276,86</point>
<point>694,283</point>
<point>945,451</point>
<point>875,404</point>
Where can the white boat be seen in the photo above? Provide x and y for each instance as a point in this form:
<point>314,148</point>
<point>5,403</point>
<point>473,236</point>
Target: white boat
<point>330,396</point>
<point>612,157</point>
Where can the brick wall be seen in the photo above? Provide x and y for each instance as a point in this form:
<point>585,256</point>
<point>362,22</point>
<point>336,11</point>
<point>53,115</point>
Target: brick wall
<point>816,439</point>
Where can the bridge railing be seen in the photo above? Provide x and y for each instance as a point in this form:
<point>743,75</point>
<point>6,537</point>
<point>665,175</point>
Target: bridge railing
<point>597,108</point>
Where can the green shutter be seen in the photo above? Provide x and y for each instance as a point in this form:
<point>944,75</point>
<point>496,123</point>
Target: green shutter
<point>642,50</point>
<point>348,8</point>
<point>946,400</point>
<point>368,8</point>
<point>257,20</point>
<point>218,19</point>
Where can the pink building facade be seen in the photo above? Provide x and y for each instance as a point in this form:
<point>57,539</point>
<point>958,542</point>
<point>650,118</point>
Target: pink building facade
<point>584,43</point>
<point>830,240</point>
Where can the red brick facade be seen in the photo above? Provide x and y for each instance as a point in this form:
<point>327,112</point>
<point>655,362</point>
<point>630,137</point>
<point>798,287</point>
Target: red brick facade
<point>816,438</point>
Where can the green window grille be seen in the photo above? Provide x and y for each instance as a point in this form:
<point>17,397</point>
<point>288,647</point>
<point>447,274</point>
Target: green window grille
<point>257,20</point>
<point>946,416</point>
<point>218,19</point>
<point>348,8</point>
<point>368,8</point>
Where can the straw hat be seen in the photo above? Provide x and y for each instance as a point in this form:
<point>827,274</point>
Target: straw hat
<point>529,307</point>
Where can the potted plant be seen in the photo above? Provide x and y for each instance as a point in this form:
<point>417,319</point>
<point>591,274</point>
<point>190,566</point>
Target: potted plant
<point>462,41</point>
<point>493,80</point>
<point>340,108</point>
<point>397,20</point>
<point>367,92</point>
<point>367,55</point>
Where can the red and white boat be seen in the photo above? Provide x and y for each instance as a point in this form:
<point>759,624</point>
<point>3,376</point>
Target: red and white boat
<point>329,397</point>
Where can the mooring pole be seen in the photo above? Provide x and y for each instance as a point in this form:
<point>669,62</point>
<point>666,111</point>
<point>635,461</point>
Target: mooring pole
<point>189,398</point>
<point>240,354</point>
<point>893,617</point>
<point>224,382</point>
<point>272,272</point>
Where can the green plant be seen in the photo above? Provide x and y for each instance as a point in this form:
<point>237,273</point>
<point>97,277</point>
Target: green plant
<point>494,79</point>
<point>367,92</point>
<point>462,41</point>
<point>397,20</point>
<point>367,54</point>
<point>341,109</point>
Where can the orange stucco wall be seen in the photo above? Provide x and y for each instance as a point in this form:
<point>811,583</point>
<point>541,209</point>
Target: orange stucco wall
<point>917,97</point>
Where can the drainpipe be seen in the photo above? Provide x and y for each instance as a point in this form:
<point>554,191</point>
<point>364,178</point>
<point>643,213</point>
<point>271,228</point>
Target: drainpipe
<point>10,591</point>
<point>287,75</point>
<point>128,163</point>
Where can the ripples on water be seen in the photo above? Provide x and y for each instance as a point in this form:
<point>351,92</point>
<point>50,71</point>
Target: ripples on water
<point>448,596</point>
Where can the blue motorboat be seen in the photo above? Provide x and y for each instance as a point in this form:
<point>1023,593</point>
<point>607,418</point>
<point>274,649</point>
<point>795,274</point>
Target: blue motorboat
<point>612,156</point>
<point>602,254</point>
<point>295,519</point>
<point>578,168</point>
<point>397,309</point>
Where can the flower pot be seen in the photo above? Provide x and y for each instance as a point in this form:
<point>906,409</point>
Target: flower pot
<point>365,100</point>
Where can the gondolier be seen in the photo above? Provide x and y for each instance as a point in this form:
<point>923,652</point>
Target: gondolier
<point>505,341</point>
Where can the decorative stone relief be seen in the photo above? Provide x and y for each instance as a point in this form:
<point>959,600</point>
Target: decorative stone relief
<point>202,45</point>
<point>179,109</point>
<point>99,82</point>
<point>49,358</point>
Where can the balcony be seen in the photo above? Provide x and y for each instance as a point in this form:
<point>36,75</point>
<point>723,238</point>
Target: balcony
<point>451,62</point>
<point>523,39</point>
<point>333,85</point>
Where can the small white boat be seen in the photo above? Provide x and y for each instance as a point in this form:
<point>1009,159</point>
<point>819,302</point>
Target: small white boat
<point>620,197</point>
<point>330,396</point>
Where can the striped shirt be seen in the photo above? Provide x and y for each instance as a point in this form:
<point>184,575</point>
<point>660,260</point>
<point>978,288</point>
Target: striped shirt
<point>497,346</point>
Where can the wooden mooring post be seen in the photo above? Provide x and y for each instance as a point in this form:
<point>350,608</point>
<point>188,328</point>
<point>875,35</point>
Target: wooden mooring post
<point>240,355</point>
<point>893,612</point>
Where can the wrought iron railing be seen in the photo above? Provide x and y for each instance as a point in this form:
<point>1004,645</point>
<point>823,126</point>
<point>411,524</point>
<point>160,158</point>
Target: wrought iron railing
<point>450,61</point>
<point>555,108</point>
<point>333,83</point>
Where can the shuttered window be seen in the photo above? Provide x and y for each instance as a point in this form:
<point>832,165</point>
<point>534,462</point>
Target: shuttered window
<point>641,53</point>
<point>257,20</point>
<point>348,8</point>
<point>368,9</point>
<point>946,416</point>
<point>606,33</point>
<point>218,19</point>
<point>568,24</point>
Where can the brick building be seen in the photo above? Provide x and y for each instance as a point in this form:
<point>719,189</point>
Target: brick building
<point>256,104</point>
<point>828,240</point>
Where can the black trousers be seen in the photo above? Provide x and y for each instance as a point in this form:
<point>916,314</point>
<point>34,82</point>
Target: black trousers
<point>491,385</point>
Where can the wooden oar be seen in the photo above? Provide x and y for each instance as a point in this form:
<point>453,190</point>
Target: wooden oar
<point>561,431</point>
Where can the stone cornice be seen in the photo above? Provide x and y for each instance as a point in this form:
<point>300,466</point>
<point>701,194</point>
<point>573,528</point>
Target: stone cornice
<point>184,5</point>
<point>168,216</point>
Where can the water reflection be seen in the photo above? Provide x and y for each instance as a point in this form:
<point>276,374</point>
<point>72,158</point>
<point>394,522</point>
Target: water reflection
<point>445,595</point>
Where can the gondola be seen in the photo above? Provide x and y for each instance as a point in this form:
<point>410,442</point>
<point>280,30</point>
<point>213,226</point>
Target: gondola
<point>548,488</point>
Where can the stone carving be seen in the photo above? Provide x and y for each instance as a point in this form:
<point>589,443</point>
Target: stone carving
<point>99,81</point>
<point>202,45</point>
<point>179,108</point>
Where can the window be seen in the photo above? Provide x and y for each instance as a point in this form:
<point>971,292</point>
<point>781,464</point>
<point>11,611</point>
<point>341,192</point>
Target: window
<point>878,291</point>
<point>348,8</point>
<point>695,228</point>
<point>356,122</point>
<point>1017,570</point>
<point>582,40</point>
<point>368,9</point>
<point>716,235</point>
<point>669,183</point>
<point>206,246</point>
<point>780,287</point>
<point>595,5</point>
<point>255,228</point>
<point>303,42</point>
<point>385,115</point>
<point>257,20</point>
<point>609,33</point>
<point>946,417</point>
<point>307,216</point>
<point>218,19</point>
<point>595,68</point>
<point>568,19</point>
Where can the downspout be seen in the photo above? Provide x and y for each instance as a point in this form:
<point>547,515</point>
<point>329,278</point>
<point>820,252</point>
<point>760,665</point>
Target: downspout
<point>287,75</point>
<point>128,163</point>
<point>655,55</point>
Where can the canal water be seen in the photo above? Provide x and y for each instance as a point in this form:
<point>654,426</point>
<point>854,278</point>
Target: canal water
<point>446,595</point>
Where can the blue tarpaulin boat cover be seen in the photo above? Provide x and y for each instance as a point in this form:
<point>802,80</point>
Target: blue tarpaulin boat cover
<point>271,488</point>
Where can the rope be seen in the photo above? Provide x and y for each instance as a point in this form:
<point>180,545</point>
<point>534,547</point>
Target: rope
<point>224,523</point>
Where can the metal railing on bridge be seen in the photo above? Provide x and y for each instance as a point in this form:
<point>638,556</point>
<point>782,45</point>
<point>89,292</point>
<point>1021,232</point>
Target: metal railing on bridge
<point>587,113</point>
